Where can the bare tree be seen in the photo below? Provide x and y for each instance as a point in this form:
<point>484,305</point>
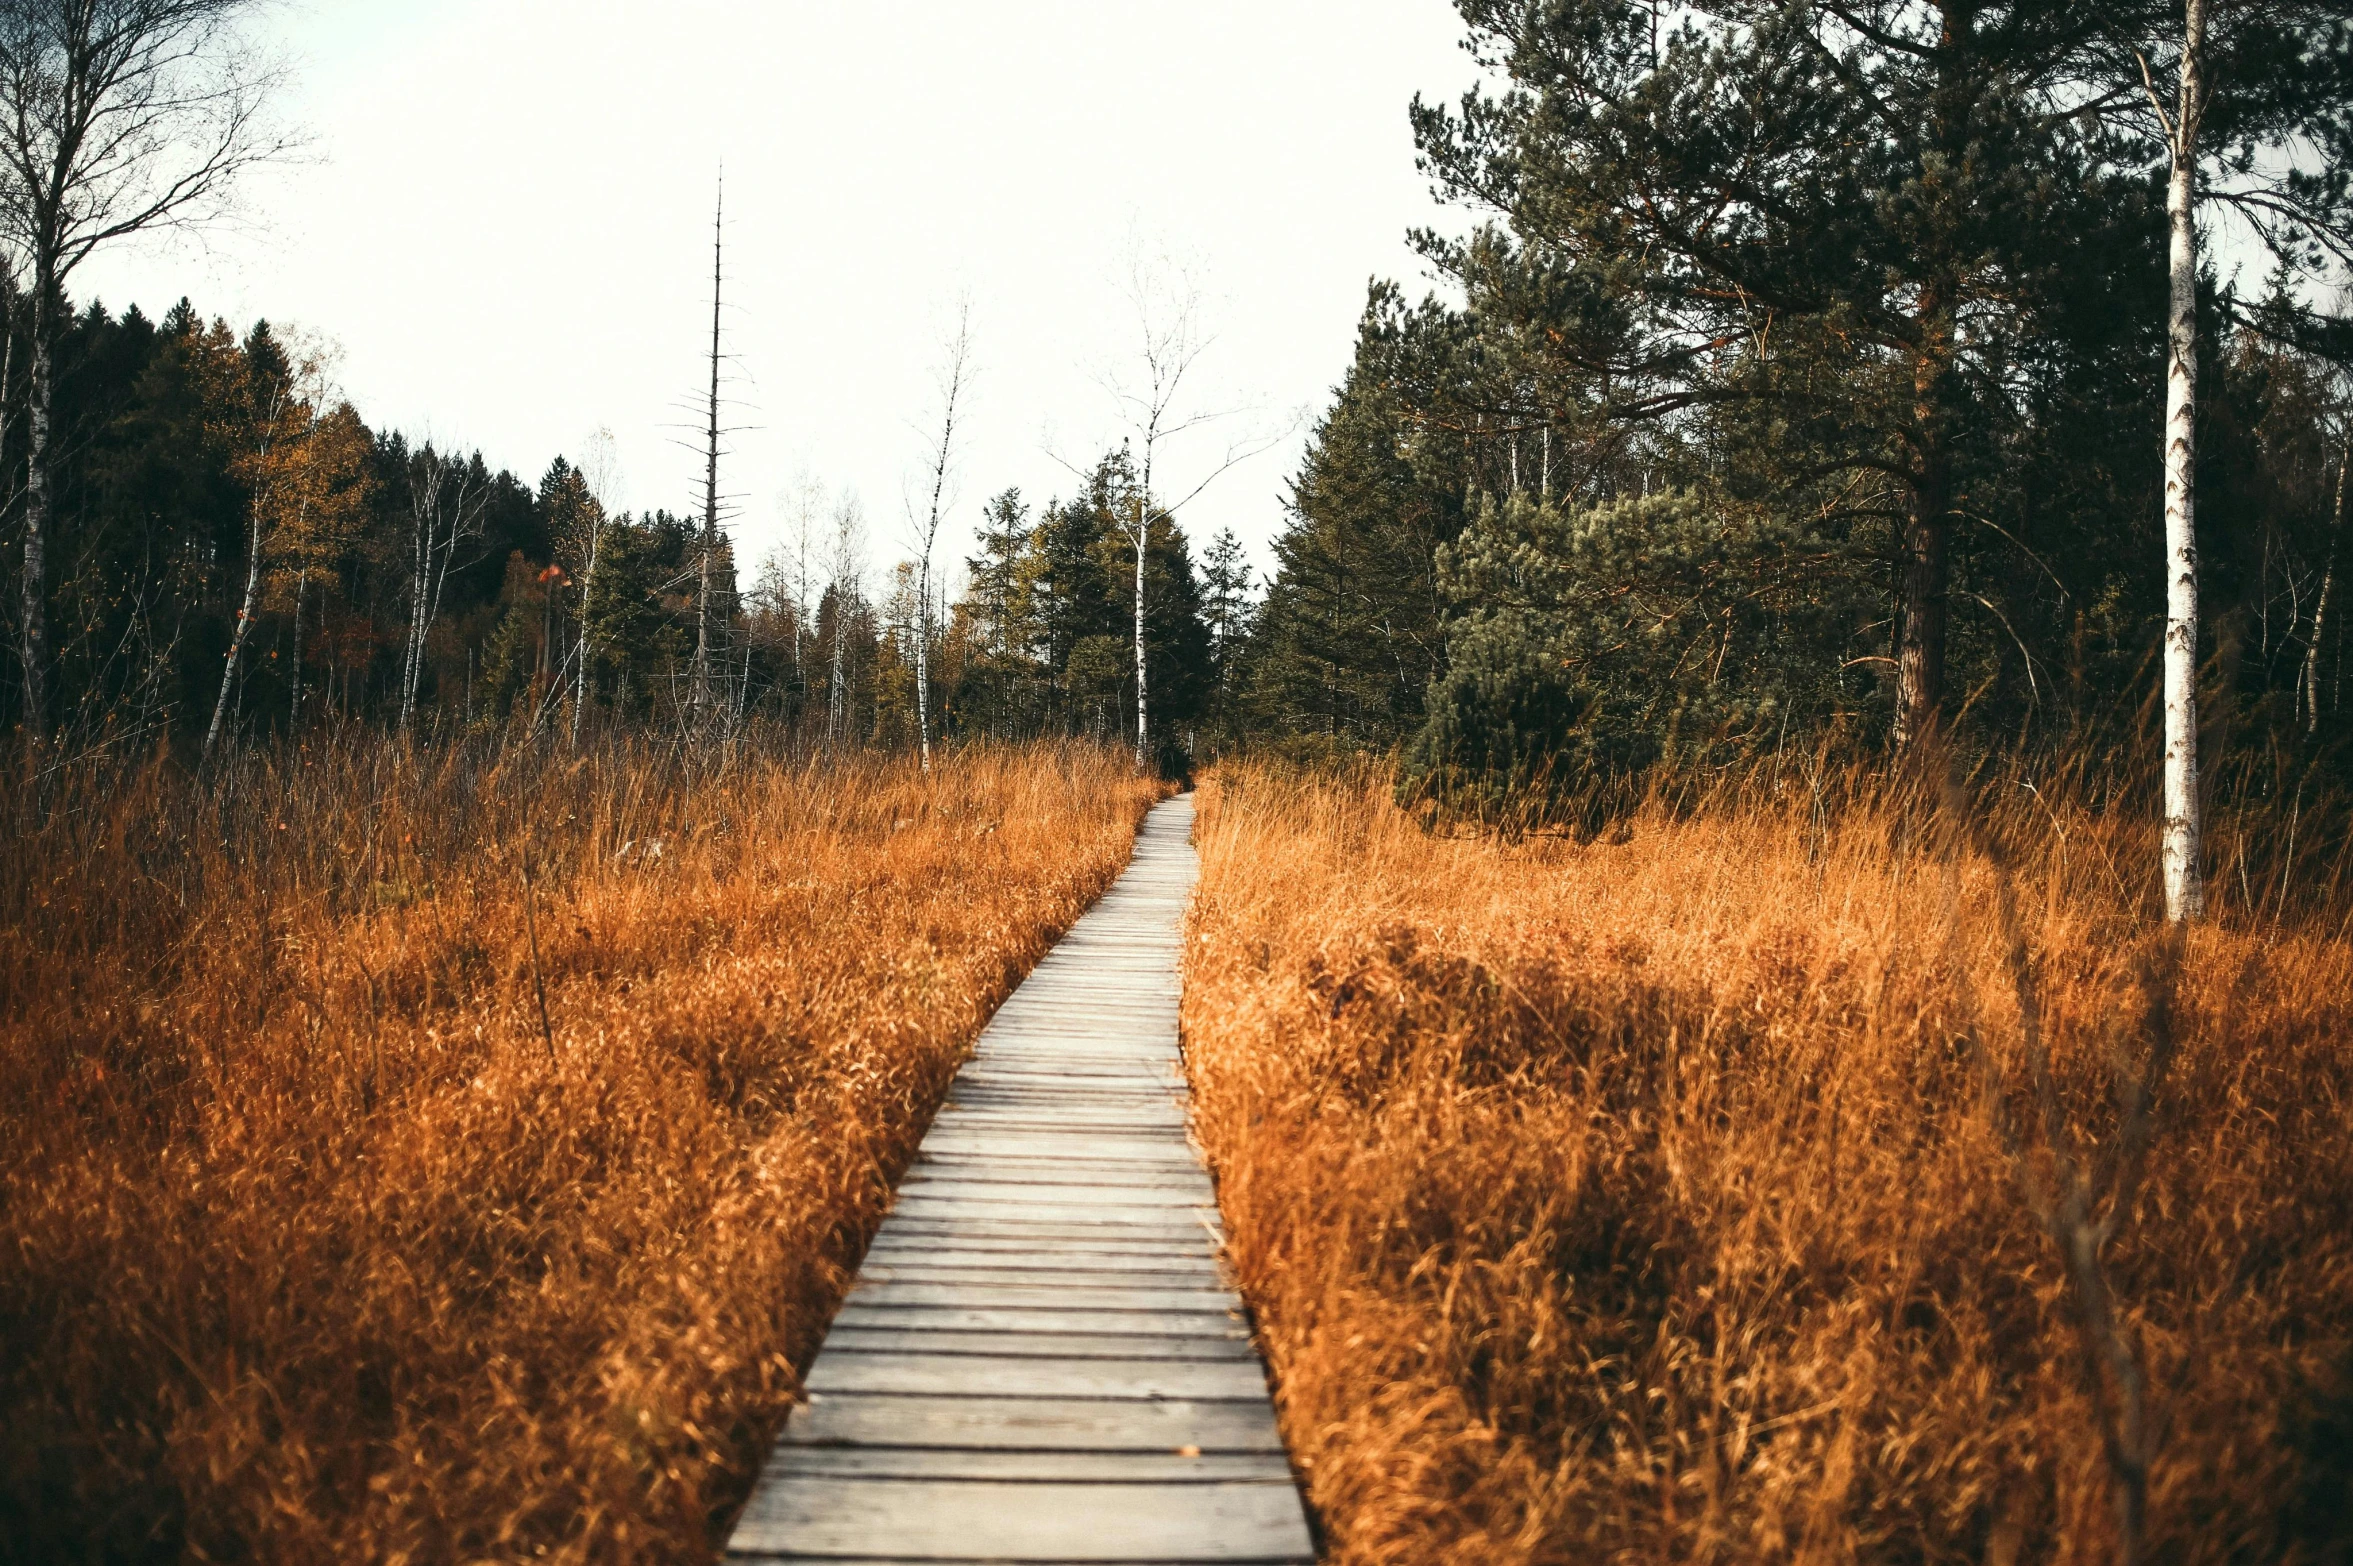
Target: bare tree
<point>703,700</point>
<point>796,561</point>
<point>116,117</point>
<point>286,409</point>
<point>1171,341</point>
<point>847,569</point>
<point>446,501</point>
<point>599,472</point>
<point>955,376</point>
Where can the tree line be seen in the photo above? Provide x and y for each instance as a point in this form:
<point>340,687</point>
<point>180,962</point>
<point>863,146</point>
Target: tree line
<point>243,555</point>
<point>1843,369</point>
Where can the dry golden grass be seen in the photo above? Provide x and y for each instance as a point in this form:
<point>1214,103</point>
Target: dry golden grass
<point>1636,1201</point>
<point>314,1247</point>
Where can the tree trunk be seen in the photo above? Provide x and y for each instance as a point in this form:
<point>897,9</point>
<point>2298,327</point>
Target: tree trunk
<point>1923,605</point>
<point>2184,891</point>
<point>596,528</point>
<point>1919,680</point>
<point>838,696</point>
<point>1143,707</point>
<point>700,698</point>
<point>33,614</point>
<point>2328,583</point>
<point>923,660</point>
<point>294,701</point>
<point>244,628</point>
<point>421,569</point>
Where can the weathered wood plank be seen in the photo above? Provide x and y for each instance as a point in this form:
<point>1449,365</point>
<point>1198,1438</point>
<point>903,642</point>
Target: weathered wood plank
<point>1067,1317</point>
<point>1173,1269</point>
<point>1232,1343</point>
<point>1033,1424</point>
<point>994,1192</point>
<point>925,1462</point>
<point>1094,1272</point>
<point>952,1241</point>
<point>1041,1361</point>
<point>1014,1296</point>
<point>977,1375</point>
<point>923,1519</point>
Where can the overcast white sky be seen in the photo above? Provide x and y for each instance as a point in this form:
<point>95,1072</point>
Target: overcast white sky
<point>504,219</point>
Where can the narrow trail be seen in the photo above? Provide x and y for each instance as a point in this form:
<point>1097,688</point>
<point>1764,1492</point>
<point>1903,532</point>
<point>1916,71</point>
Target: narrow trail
<point>1040,1360</point>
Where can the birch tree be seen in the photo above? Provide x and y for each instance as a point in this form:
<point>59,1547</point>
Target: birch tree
<point>117,117</point>
<point>954,381</point>
<point>2184,890</point>
<point>846,566</point>
<point>796,564</point>
<point>2277,72</point>
<point>301,458</point>
<point>2328,584</point>
<point>1170,341</point>
<point>599,471</point>
<point>446,500</point>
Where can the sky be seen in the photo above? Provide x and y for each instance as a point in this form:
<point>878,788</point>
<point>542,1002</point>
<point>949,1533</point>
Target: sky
<point>503,220</point>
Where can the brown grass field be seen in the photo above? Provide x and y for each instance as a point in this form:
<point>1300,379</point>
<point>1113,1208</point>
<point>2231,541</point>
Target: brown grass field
<point>317,1244</point>
<point>1641,1200</point>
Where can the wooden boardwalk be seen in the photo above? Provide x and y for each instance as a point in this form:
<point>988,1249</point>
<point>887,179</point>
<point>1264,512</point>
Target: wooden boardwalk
<point>1040,1360</point>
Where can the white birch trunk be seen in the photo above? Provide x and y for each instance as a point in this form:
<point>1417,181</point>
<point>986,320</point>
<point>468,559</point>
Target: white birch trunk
<point>1143,705</point>
<point>2184,889</point>
<point>420,574</point>
<point>596,530</point>
<point>252,603</point>
<point>923,660</point>
<point>245,614</point>
<point>2328,584</point>
<point>837,699</point>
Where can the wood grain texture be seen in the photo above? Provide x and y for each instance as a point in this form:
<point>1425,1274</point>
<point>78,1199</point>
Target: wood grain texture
<point>1041,1360</point>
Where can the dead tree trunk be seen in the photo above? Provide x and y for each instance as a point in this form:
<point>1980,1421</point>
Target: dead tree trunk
<point>702,698</point>
<point>955,375</point>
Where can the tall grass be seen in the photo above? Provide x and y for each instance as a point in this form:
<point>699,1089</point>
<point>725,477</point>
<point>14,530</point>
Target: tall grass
<point>1640,1199</point>
<point>320,1239</point>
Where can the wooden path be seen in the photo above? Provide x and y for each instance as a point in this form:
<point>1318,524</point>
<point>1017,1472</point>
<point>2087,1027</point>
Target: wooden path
<point>1040,1360</point>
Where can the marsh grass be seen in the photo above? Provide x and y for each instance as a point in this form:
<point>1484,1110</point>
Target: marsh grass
<point>1658,1196</point>
<point>449,1155</point>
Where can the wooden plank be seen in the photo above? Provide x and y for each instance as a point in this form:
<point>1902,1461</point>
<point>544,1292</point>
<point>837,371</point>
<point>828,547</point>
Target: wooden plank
<point>923,1519</point>
<point>907,1264</point>
<point>1232,1343</point>
<point>926,1462</point>
<point>1006,1375</point>
<point>907,1241</point>
<point>1064,1317</point>
<point>1033,1424</point>
<point>1185,1216</point>
<point>1157,1237</point>
<point>1014,1296</point>
<point>1060,1193</point>
<point>1043,1171</point>
<point>1154,1150</point>
<point>1081,1280</point>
